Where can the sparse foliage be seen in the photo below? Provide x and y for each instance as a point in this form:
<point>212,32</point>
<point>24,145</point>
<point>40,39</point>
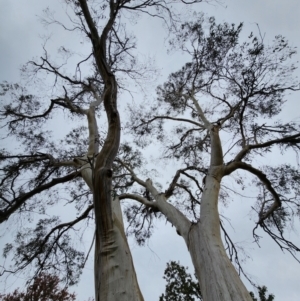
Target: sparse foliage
<point>228,90</point>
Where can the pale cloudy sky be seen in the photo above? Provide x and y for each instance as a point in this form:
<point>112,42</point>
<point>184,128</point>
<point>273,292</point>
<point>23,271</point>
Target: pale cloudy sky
<point>20,40</point>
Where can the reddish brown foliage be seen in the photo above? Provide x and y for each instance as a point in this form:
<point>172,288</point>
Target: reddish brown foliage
<point>44,288</point>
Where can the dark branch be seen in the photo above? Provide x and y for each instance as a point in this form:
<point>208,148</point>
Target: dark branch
<point>263,178</point>
<point>294,139</point>
<point>22,198</point>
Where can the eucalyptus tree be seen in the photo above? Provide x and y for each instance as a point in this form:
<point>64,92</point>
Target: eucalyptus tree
<point>241,83</point>
<point>239,89</point>
<point>37,172</point>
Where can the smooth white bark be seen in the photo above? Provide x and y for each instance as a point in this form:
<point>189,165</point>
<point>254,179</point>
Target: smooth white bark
<point>174,216</point>
<point>219,281</point>
<point>115,277</point>
<point>217,276</point>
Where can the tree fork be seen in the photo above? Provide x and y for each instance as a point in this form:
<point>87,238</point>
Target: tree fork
<point>217,276</point>
<point>115,277</point>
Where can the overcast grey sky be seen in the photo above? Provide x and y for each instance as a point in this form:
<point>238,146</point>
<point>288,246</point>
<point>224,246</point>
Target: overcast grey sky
<point>20,40</point>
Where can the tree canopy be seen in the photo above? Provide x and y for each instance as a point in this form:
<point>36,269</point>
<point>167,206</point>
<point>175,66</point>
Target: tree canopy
<point>212,119</point>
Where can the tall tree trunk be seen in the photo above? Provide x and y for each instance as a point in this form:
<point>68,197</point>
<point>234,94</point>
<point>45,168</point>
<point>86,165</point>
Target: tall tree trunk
<point>219,281</point>
<point>217,276</point>
<point>115,277</point>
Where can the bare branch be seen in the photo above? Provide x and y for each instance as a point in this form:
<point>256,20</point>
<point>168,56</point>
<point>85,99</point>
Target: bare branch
<point>263,178</point>
<point>137,179</point>
<point>173,184</point>
<point>47,66</point>
<point>176,217</point>
<point>138,198</point>
<point>61,229</point>
<point>233,252</point>
<point>293,139</point>
<point>22,198</point>
<point>10,112</point>
<point>207,124</point>
<point>170,118</point>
